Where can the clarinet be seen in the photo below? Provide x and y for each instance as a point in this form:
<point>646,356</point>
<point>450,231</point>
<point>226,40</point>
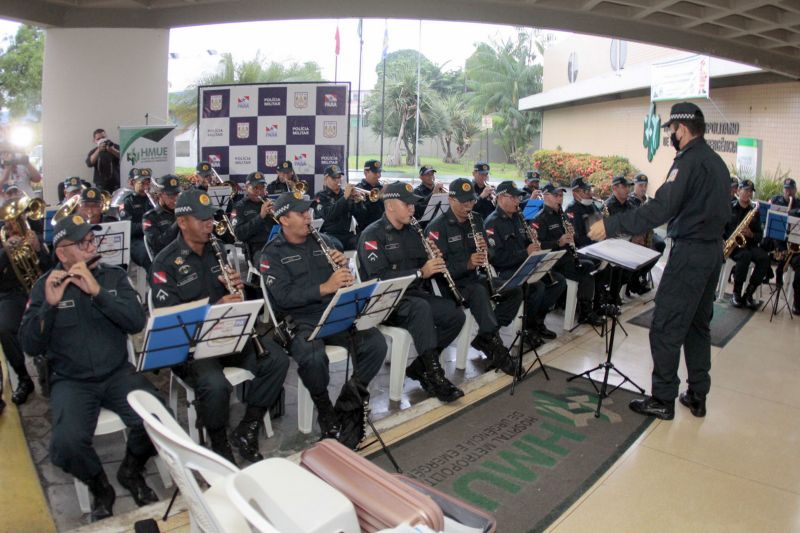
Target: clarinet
<point>478,237</point>
<point>534,240</point>
<point>324,247</point>
<point>569,229</point>
<point>433,255</point>
<point>219,253</point>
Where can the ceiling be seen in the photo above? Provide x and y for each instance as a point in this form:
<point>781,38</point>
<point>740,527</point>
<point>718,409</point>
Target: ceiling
<point>757,32</point>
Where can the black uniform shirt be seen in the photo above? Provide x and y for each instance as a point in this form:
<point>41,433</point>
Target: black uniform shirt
<point>385,252</point>
<point>424,193</point>
<point>694,200</point>
<point>737,215</point>
<point>582,216</point>
<point>84,337</point>
<point>178,275</point>
<point>456,242</point>
<point>133,209</point>
<point>778,199</point>
<point>249,227</point>
<point>293,274</point>
<point>549,226</point>
<point>508,242</point>
<point>160,228</point>
<point>337,211</point>
<point>277,187</point>
<point>484,206</point>
<point>372,210</point>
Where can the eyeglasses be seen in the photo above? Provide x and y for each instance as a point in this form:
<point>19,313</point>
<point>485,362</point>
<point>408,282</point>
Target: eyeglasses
<point>83,244</point>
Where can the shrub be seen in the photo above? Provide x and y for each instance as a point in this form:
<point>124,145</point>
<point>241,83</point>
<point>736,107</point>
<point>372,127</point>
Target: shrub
<point>768,184</point>
<point>561,167</point>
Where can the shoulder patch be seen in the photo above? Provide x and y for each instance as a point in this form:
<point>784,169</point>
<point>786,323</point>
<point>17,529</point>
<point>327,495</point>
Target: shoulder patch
<point>672,175</point>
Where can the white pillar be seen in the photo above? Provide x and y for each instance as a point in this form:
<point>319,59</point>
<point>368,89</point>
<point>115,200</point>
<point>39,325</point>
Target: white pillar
<point>97,78</point>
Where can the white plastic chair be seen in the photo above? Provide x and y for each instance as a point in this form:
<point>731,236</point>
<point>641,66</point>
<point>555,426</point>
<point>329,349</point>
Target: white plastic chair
<point>724,276</point>
<point>210,510</point>
<point>147,248</point>
<point>571,305</point>
<point>278,495</point>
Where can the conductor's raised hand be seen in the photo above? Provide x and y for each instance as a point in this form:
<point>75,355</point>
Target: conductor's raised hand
<point>597,231</point>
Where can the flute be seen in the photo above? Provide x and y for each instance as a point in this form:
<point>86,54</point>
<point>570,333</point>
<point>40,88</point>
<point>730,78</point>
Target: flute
<point>89,264</point>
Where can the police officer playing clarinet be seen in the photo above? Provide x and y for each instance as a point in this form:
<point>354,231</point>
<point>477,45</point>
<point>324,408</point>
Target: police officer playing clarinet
<point>454,234</point>
<point>185,271</point>
<point>301,280</point>
<point>694,199</point>
<point>160,227</point>
<point>391,248</point>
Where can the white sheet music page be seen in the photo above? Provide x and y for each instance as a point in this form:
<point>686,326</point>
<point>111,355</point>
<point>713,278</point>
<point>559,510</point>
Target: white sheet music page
<point>620,252</point>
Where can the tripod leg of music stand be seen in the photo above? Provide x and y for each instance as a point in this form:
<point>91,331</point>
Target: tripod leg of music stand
<point>384,446</point>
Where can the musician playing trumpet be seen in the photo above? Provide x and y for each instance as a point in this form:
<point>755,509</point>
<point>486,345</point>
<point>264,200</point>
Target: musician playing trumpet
<point>91,207</point>
<point>372,180</point>
<point>480,181</point>
<point>427,186</point>
<point>337,205</point>
<point>460,235</point>
<point>252,216</point>
<point>302,275</point>
<point>134,208</point>
<point>751,252</point>
<point>283,182</point>
<point>188,270</point>
<point>160,227</point>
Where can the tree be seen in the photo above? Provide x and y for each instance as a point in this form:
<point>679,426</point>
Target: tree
<point>183,105</point>
<point>21,72</point>
<point>499,74</point>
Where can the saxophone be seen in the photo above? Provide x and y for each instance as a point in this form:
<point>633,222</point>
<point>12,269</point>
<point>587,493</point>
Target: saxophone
<point>432,254</point>
<point>737,238</point>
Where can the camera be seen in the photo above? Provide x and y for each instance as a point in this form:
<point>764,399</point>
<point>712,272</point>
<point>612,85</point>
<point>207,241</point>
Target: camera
<point>104,142</point>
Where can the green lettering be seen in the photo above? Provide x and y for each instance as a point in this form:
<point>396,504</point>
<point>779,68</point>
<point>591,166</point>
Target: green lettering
<point>556,434</point>
<point>463,489</point>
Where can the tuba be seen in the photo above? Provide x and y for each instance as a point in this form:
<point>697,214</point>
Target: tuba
<point>21,255</point>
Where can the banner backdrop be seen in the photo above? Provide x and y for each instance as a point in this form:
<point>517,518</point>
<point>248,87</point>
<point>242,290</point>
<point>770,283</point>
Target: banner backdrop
<point>680,79</point>
<point>150,147</point>
<point>248,128</point>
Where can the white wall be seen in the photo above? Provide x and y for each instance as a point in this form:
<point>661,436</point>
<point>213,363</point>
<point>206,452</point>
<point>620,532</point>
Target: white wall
<point>97,78</point>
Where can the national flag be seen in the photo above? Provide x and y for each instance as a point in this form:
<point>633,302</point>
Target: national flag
<point>159,278</point>
<point>370,245</point>
<point>434,235</point>
<point>534,225</point>
<point>338,40</point>
<point>385,41</point>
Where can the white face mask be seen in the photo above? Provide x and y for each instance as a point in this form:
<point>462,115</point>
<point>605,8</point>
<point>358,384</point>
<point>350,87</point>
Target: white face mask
<point>587,201</point>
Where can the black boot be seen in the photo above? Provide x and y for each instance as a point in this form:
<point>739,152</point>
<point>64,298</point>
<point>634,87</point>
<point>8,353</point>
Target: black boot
<point>220,444</point>
<point>652,406</point>
<point>695,403</point>
<point>749,298</point>
<point>130,476</point>
<point>103,496</point>
<point>544,333</point>
<point>430,374</point>
<point>245,436</point>
<point>736,299</point>
<point>587,314</point>
<point>24,389</point>
<point>327,418</point>
<point>352,409</point>
<point>492,345</point>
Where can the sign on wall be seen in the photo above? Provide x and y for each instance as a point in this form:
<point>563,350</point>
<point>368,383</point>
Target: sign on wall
<point>680,79</point>
<point>150,147</point>
<point>248,128</point>
<point>748,158</point>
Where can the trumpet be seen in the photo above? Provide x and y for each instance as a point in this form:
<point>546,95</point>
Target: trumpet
<point>433,254</point>
<point>221,227</point>
<point>298,186</point>
<point>373,194</point>
<point>442,186</point>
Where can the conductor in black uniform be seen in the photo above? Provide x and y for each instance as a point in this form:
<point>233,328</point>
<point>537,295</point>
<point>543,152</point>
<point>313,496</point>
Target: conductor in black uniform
<point>694,199</point>
<point>372,180</point>
<point>252,216</point>
<point>187,271</point>
<point>454,236</point>
<point>80,317</point>
<point>337,206</point>
<point>134,208</point>
<point>751,252</point>
<point>480,181</point>
<point>391,248</point>
<point>285,177</point>
<point>302,282</point>
<point>159,224</point>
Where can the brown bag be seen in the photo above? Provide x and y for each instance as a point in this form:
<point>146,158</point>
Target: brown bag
<point>380,500</point>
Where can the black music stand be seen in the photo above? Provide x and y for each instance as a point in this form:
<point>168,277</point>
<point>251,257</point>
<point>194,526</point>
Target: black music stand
<point>436,203</point>
<point>778,291</point>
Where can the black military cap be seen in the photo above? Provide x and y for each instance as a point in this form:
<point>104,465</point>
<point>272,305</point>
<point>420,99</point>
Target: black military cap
<point>734,181</point>
<point>204,169</point>
<point>256,178</point>
<point>747,185</point>
<point>195,202</point>
<point>132,173</point>
<point>424,169</point>
<point>508,187</point>
<point>621,179</point>
<point>92,194</point>
<point>143,174</point>
<point>640,178</point>
<point>400,191</point>
<point>73,228</point>
<point>72,184</point>
<point>333,171</point>
<point>552,188</point>
<point>285,166</point>
<point>462,190</point>
<point>481,167</point>
<point>10,187</point>
<point>789,183</point>
<point>683,111</point>
<point>532,175</point>
<point>580,183</point>
<point>373,165</point>
<point>169,183</point>
<point>290,201</point>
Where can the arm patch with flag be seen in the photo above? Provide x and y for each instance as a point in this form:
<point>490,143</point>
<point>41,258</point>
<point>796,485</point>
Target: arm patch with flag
<point>264,266</point>
<point>159,278</point>
<point>370,245</point>
<point>433,235</point>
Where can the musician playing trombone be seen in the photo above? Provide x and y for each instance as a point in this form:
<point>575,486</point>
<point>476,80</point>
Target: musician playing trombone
<point>460,235</point>
<point>252,216</point>
<point>302,282</point>
<point>134,208</point>
<point>751,252</point>
<point>337,205</point>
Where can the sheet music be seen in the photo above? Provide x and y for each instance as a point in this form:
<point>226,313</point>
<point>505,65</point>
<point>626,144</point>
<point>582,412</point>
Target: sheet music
<point>437,203</point>
<point>383,300</point>
<point>230,334</point>
<point>532,269</point>
<point>220,195</point>
<point>620,252</point>
<point>346,305</point>
<point>113,242</point>
<point>166,342</point>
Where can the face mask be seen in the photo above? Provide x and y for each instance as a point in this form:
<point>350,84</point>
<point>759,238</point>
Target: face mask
<point>673,138</point>
<point>587,201</point>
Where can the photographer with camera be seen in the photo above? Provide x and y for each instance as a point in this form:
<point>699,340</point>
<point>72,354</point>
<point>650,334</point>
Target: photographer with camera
<point>104,159</point>
<point>18,171</point>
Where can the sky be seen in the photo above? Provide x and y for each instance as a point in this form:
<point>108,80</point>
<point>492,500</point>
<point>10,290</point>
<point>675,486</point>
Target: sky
<point>444,43</point>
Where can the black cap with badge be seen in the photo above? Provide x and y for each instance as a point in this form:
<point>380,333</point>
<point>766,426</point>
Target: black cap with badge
<point>747,185</point>
<point>290,201</point>
<point>462,190</point>
<point>333,171</point>
<point>789,183</point>
<point>169,183</point>
<point>683,112</point>
<point>508,187</point>
<point>285,166</point>
<point>196,203</point>
<point>580,183</point>
<point>481,167</point>
<point>256,178</point>
<point>640,178</point>
<point>143,174</point>
<point>400,191</point>
<point>73,228</point>
<point>424,169</point>
<point>72,184</point>
<point>373,165</point>
<point>204,169</point>
<point>532,175</point>
<point>551,188</point>
<point>621,180</point>
<point>92,194</point>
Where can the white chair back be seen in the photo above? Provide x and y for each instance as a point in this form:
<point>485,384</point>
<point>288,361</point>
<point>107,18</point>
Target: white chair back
<point>269,313</point>
<point>184,458</point>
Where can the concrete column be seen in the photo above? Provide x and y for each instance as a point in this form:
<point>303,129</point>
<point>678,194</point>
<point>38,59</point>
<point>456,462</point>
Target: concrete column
<point>97,78</point>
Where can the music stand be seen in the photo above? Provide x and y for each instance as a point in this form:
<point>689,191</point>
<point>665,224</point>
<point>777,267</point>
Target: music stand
<point>630,257</point>
<point>530,271</point>
<point>781,227</point>
<point>437,203</point>
<point>113,243</point>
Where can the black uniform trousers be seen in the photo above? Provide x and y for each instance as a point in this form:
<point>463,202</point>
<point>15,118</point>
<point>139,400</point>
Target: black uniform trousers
<point>490,319</point>
<point>580,272</point>
<point>743,257</point>
<point>75,406</point>
<point>312,362</point>
<point>213,391</point>
<point>543,296</point>
<point>12,306</point>
<point>683,311</point>
<point>795,264</point>
<point>433,321</point>
<point>139,253</point>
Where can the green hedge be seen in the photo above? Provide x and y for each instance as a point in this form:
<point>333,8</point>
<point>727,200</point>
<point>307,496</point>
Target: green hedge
<point>562,167</point>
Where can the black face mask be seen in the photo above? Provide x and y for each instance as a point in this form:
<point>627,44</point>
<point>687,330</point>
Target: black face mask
<point>673,138</point>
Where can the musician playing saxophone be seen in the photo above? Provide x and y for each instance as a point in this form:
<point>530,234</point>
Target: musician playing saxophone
<point>300,277</point>
<point>454,233</point>
<point>750,253</point>
<point>187,270</point>
<point>389,248</point>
